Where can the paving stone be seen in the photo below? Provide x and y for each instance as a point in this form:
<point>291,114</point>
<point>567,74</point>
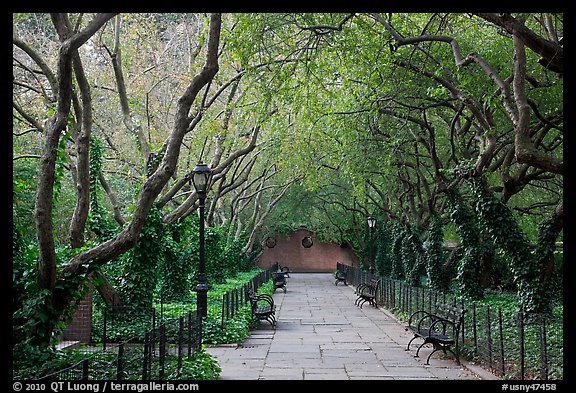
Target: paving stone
<point>322,335</point>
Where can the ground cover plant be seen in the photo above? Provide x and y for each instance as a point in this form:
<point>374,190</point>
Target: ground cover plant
<point>131,329</point>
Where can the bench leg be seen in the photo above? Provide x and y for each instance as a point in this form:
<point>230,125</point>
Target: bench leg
<point>410,342</point>
<point>271,320</point>
<point>444,349</point>
<point>418,350</point>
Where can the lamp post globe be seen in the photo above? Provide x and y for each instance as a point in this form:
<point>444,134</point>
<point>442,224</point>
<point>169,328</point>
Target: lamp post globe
<point>201,176</point>
<point>371,221</point>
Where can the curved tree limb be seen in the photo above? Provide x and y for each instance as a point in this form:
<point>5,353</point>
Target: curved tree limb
<point>157,180</point>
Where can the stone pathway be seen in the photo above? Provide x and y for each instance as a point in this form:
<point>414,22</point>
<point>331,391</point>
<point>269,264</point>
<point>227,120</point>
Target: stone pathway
<point>322,335</point>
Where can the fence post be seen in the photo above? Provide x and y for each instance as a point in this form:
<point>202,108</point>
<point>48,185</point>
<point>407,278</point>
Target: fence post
<point>393,294</point>
<point>502,368</point>
<point>489,337</point>
<point>85,369</point>
<point>521,336</point>
<point>119,360</point>
<point>162,348</point>
<point>180,342</point>
<point>190,333</point>
<point>463,307</point>
<point>225,303</point>
<point>543,352</point>
<point>146,356</point>
<point>235,304</point>
<point>474,329</point>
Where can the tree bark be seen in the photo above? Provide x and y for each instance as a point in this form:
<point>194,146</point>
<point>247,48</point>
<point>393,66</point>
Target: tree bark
<point>136,129</point>
<point>55,125</point>
<point>126,239</point>
<point>526,152</point>
<point>551,51</point>
<point>80,216</point>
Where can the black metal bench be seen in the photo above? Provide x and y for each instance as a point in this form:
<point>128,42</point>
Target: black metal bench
<point>340,276</point>
<point>263,307</point>
<point>285,270</point>
<point>440,328</point>
<point>366,292</point>
<point>279,280</point>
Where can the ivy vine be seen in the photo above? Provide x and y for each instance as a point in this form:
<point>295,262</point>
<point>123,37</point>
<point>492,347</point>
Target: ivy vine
<point>98,221</point>
<point>434,255</point>
<point>397,269</point>
<point>498,221</point>
<point>412,256</point>
<point>470,266</point>
<point>141,265</point>
<point>383,259</point>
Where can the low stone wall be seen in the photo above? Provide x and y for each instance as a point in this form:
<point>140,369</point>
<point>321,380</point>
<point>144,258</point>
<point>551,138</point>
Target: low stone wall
<point>289,250</point>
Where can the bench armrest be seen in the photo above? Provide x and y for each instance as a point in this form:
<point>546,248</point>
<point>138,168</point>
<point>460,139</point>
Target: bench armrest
<point>417,316</point>
<point>264,298</point>
<point>444,324</point>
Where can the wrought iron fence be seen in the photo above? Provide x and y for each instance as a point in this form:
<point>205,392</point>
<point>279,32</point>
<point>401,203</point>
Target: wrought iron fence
<point>235,299</point>
<point>507,342</point>
<point>157,352</point>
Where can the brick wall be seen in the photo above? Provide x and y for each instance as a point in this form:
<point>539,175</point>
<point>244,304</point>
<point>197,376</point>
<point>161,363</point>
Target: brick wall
<point>80,327</point>
<point>320,257</point>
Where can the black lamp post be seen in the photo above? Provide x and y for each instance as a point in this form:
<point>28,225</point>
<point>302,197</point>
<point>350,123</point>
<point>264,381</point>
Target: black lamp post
<point>371,224</point>
<point>202,175</point>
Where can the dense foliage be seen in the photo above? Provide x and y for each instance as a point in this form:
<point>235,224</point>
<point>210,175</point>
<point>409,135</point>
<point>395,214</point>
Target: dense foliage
<point>447,127</point>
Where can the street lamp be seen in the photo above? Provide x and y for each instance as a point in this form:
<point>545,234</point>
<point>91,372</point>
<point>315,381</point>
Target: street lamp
<point>202,175</point>
<point>371,224</point>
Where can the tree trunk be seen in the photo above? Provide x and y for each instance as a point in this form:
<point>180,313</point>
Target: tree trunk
<point>107,291</point>
<point>90,260</point>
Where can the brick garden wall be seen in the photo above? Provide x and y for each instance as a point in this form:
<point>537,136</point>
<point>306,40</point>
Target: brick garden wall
<point>320,257</point>
<point>80,327</point>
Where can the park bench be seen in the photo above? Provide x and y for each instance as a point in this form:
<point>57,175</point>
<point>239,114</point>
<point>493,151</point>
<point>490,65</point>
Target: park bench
<point>366,292</point>
<point>285,270</point>
<point>279,280</point>
<point>263,307</point>
<point>340,276</point>
<point>439,328</point>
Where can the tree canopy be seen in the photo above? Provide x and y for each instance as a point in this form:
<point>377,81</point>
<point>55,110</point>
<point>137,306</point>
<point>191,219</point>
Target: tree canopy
<point>307,119</point>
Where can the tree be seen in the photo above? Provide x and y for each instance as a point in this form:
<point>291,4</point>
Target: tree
<point>68,64</point>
